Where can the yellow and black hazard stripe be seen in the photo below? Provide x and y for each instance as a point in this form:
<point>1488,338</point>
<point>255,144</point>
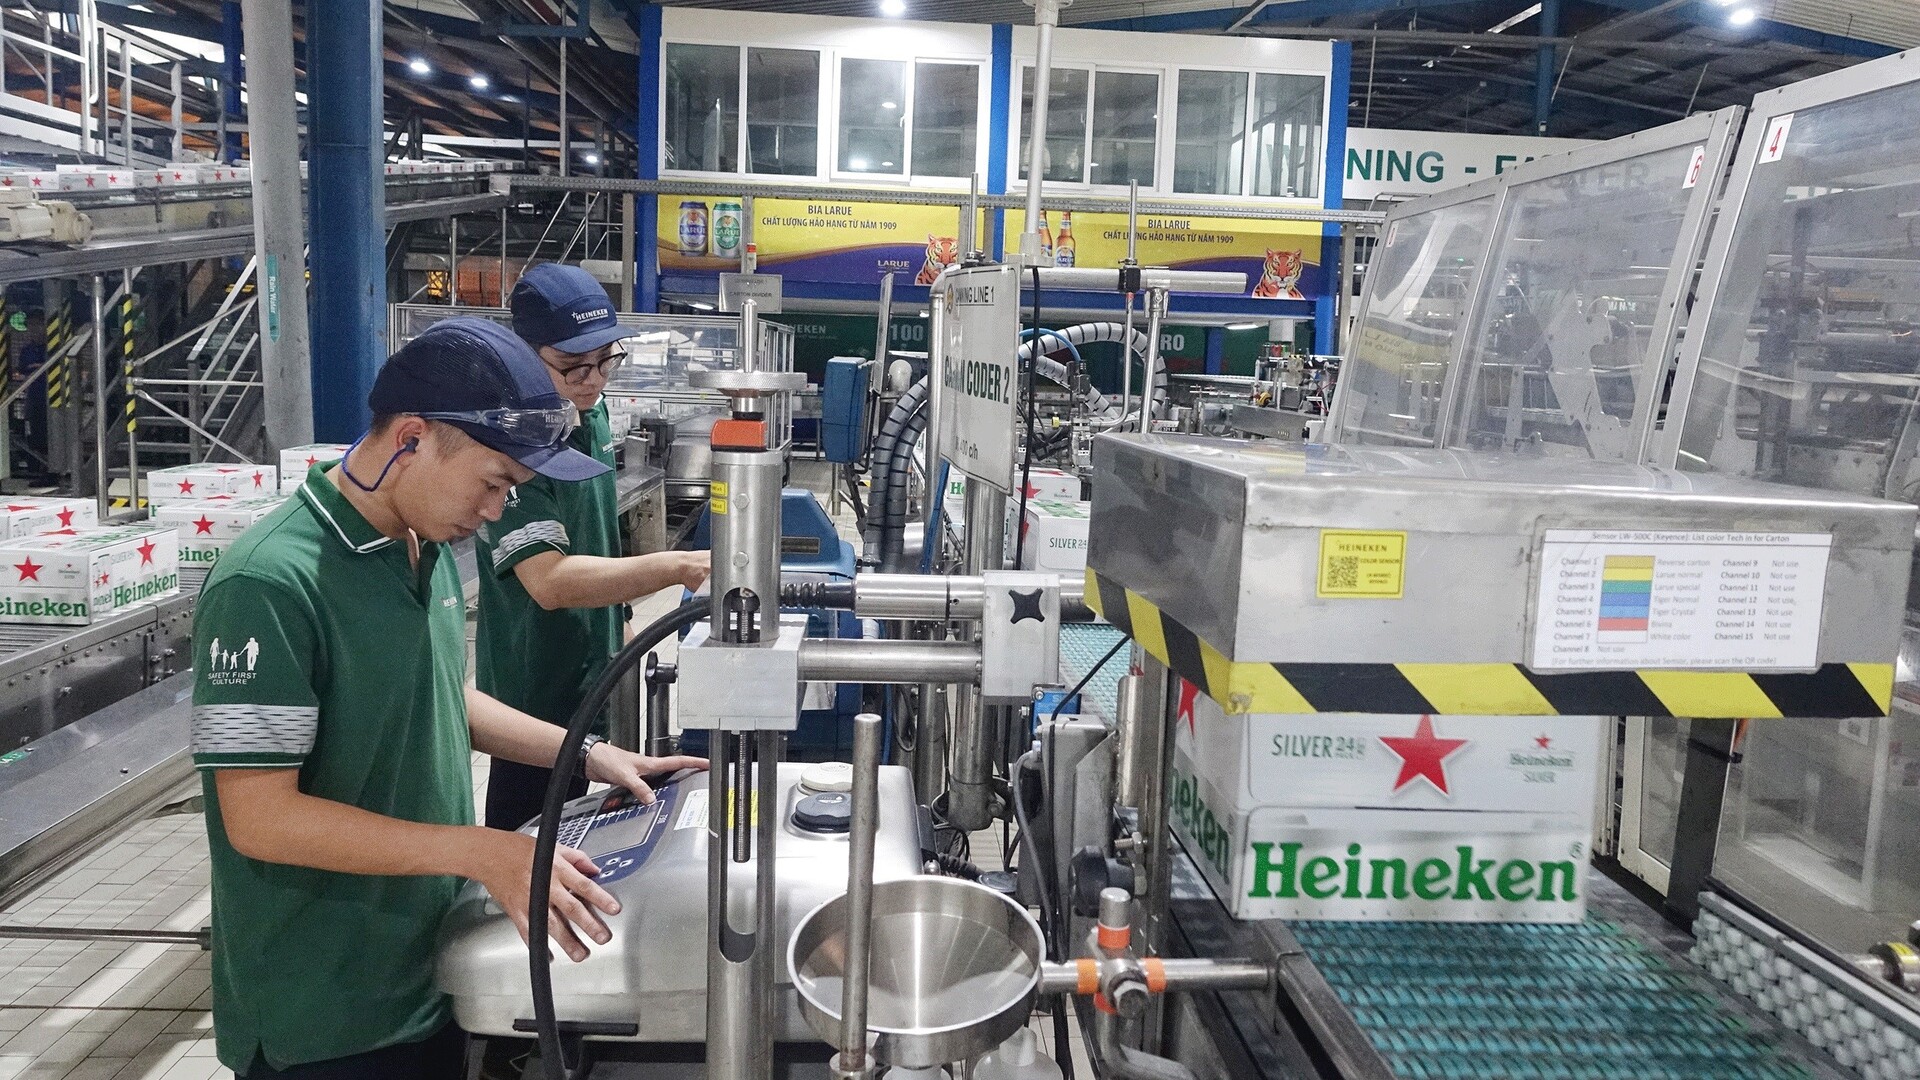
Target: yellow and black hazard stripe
<point>1835,690</point>
<point>126,355</point>
<point>57,327</point>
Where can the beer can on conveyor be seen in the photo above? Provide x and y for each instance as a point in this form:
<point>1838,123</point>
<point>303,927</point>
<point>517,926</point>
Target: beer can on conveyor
<point>693,228</point>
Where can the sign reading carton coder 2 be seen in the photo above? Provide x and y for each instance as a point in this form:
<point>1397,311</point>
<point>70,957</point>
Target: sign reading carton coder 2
<point>1362,565</point>
<point>981,330</point>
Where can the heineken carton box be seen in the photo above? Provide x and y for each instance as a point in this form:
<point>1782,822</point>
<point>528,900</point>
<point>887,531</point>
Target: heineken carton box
<point>74,576</point>
<point>1376,817</point>
<point>1051,485</point>
<point>27,515</point>
<point>194,483</point>
<point>1056,536</point>
<point>207,529</point>
<point>295,461</point>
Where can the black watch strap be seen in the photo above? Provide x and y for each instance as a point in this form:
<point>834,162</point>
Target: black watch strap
<point>586,749</point>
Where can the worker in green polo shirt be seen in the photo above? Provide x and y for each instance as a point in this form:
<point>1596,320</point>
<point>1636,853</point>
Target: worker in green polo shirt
<point>334,731</point>
<point>553,584</point>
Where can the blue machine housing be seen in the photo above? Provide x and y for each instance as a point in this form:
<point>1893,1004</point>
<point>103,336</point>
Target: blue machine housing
<point>810,549</point>
<point>846,407</point>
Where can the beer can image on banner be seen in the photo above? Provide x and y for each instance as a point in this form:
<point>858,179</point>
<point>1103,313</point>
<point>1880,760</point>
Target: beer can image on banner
<point>693,228</point>
<point>727,227</point>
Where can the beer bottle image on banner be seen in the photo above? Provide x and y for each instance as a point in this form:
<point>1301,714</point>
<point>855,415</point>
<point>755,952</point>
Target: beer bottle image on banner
<point>727,214</point>
<point>1046,237</point>
<point>693,228</point>
<point>1063,245</point>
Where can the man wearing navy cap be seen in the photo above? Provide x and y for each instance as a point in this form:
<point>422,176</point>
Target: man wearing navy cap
<point>553,585</point>
<point>334,734</point>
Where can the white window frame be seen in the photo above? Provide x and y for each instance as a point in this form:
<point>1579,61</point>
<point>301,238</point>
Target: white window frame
<point>1246,152</point>
<point>820,111</point>
<point>1161,111</point>
<point>982,117</point>
<point>1017,122</point>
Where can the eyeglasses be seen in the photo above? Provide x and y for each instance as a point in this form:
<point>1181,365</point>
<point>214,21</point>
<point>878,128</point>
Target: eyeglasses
<point>576,375</point>
<point>526,427</point>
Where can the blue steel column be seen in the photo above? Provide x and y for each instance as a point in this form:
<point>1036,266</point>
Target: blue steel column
<point>999,121</point>
<point>1329,301</point>
<point>1544,70</point>
<point>236,72</point>
<point>646,294</point>
<point>346,212</point>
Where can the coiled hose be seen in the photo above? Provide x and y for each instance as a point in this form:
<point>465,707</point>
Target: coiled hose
<point>539,960</point>
<point>892,467</point>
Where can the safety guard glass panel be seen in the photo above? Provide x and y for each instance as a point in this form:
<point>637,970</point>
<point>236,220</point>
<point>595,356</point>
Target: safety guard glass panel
<point>1573,328</point>
<point>1418,287</point>
<point>1806,371</point>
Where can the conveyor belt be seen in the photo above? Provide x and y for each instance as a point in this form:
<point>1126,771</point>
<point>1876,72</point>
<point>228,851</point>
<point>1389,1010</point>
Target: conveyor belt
<point>1593,1000</point>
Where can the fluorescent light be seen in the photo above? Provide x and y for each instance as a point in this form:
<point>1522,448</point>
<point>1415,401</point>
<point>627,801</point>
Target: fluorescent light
<point>509,99</point>
<point>419,66</point>
<point>1741,17</point>
<point>478,82</point>
<point>893,9</point>
<point>858,164</point>
<point>889,105</point>
<point>1505,25</point>
<point>592,159</point>
<point>886,164</point>
<point>699,305</point>
<point>1244,325</point>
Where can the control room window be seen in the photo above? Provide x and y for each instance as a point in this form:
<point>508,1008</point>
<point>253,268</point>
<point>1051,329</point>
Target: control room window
<point>1066,124</point>
<point>783,112</point>
<point>1287,135</point>
<point>703,108</point>
<point>1126,111</point>
<point>946,118</point>
<point>873,116</point>
<point>1210,127</point>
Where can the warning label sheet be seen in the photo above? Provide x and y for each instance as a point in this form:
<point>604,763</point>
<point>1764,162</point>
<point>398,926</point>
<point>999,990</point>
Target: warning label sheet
<point>1734,601</point>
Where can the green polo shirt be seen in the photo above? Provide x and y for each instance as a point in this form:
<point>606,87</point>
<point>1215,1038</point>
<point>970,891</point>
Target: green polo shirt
<point>539,661</point>
<point>318,646</point>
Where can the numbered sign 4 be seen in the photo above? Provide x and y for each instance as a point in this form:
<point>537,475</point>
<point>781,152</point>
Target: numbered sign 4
<point>1774,146</point>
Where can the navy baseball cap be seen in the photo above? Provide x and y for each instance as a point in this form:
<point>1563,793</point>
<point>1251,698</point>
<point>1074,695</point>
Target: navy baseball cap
<point>479,377</point>
<point>563,307</point>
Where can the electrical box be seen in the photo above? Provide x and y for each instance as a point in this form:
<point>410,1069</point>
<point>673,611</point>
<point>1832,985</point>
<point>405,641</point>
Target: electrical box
<point>1293,579</point>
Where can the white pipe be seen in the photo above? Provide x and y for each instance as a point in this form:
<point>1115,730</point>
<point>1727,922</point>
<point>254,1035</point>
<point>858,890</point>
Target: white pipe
<point>1046,15</point>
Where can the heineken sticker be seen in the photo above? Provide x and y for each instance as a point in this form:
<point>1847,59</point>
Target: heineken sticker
<point>17,322</point>
<point>273,298</point>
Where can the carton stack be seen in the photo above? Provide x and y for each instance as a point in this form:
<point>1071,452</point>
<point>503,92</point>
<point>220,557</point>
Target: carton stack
<point>1056,536</point>
<point>197,483</point>
<point>27,515</point>
<point>296,461</point>
<point>207,529</point>
<point>72,577</point>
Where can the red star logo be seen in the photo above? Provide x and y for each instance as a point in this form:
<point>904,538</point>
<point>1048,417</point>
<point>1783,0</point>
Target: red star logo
<point>1189,693</point>
<point>204,525</point>
<point>146,556</point>
<point>259,479</point>
<point>103,579</point>
<point>1033,491</point>
<point>66,518</point>
<point>89,181</point>
<point>1423,755</point>
<point>312,461</point>
<point>1542,742</point>
<point>29,570</point>
<point>39,182</point>
<point>186,487</point>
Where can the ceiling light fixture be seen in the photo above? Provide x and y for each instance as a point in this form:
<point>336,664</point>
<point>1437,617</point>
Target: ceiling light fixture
<point>591,159</point>
<point>889,105</point>
<point>419,66</point>
<point>478,82</point>
<point>1741,16</point>
<point>893,9</point>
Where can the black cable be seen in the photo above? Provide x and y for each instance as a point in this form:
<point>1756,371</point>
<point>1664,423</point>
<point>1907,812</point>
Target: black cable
<point>539,960</point>
<point>1084,679</point>
<point>1026,459</point>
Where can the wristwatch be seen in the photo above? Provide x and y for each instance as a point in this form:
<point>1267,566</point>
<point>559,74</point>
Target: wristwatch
<point>586,750</point>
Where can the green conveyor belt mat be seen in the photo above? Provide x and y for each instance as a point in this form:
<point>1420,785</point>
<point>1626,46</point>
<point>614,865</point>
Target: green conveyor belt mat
<point>1593,1000</point>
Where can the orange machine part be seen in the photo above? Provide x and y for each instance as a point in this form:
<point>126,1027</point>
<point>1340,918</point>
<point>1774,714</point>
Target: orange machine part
<point>739,434</point>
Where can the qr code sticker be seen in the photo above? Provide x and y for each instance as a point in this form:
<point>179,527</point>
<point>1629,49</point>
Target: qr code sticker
<point>1343,572</point>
